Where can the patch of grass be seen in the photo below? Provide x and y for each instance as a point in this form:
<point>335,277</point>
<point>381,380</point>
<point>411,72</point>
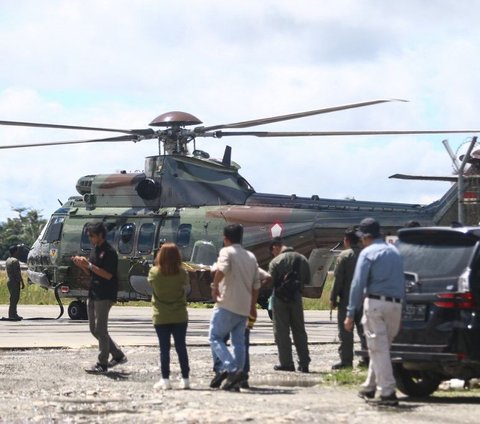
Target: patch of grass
<point>30,295</point>
<point>346,377</point>
<point>36,295</point>
<point>323,303</point>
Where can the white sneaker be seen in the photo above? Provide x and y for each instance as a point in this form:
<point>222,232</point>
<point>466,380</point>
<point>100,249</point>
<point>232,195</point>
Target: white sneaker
<point>163,384</point>
<point>184,383</point>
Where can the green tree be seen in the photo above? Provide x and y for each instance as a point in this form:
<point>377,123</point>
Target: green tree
<point>23,229</point>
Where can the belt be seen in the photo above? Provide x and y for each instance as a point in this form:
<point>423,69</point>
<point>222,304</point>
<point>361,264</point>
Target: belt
<point>386,298</point>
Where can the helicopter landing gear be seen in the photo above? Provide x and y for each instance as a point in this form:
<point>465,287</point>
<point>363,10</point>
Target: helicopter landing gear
<point>77,310</point>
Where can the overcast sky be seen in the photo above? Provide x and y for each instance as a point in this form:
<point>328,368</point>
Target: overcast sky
<point>121,63</point>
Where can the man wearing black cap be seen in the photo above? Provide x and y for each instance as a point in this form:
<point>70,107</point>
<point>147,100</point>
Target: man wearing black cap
<point>379,284</point>
<point>288,310</point>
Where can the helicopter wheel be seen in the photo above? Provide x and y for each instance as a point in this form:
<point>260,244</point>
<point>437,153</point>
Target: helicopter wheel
<point>77,310</point>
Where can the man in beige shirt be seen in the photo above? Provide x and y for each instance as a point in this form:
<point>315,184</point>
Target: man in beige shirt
<point>235,290</point>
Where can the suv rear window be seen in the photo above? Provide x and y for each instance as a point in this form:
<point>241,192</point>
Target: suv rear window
<point>436,253</point>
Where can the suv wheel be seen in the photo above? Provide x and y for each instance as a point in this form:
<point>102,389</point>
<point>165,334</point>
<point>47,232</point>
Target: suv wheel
<point>415,383</point>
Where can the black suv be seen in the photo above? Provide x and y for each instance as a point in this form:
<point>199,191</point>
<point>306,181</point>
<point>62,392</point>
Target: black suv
<point>440,332</point>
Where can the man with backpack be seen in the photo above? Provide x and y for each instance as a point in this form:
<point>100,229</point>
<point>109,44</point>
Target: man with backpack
<point>290,272</point>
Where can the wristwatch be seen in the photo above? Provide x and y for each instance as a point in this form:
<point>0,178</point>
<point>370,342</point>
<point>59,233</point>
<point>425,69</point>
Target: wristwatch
<point>90,266</point>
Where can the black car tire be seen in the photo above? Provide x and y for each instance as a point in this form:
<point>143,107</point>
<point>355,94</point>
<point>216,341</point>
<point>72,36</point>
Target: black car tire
<point>415,383</point>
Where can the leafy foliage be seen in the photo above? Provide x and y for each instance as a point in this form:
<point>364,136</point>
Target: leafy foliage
<point>21,230</point>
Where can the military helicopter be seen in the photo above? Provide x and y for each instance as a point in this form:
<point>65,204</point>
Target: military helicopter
<point>188,198</point>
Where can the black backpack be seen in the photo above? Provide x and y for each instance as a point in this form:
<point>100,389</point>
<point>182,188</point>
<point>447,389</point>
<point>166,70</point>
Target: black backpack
<point>288,286</point>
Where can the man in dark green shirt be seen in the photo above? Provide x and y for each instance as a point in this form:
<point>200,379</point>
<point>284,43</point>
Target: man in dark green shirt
<point>14,282</point>
<point>288,313</point>
<point>339,296</point>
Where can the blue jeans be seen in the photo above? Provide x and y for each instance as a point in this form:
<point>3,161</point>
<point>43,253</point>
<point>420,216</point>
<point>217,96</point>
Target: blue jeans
<point>223,323</point>
<point>217,365</point>
<point>179,333</point>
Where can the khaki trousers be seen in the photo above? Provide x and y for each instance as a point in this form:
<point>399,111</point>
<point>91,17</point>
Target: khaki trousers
<point>381,323</point>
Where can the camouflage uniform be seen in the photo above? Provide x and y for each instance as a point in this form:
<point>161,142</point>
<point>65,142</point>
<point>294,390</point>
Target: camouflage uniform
<point>14,282</point>
<point>339,296</point>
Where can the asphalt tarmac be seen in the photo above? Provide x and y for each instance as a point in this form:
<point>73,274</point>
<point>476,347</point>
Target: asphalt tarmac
<point>132,326</point>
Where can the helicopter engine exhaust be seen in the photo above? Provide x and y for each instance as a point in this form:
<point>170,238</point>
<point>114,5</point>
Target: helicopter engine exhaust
<point>148,189</point>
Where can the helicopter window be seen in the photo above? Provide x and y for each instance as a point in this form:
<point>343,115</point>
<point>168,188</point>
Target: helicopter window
<point>85,241</point>
<point>204,252</point>
<point>145,238</point>
<point>125,242</point>
<point>111,231</point>
<point>54,229</point>
<point>183,235</point>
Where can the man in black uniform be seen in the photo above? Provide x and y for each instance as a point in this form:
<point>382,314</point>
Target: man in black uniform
<point>102,267</point>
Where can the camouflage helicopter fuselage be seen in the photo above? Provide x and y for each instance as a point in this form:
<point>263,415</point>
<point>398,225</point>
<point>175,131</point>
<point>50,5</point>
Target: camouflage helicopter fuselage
<point>188,200</point>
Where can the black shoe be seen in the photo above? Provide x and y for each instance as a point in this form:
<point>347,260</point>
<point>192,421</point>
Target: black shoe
<point>244,384</point>
<point>284,368</point>
<point>218,379</point>
<point>390,400</point>
<point>97,369</point>
<point>303,368</point>
<point>366,394</point>
<point>341,366</point>
<point>114,362</point>
<point>364,362</point>
<point>233,380</point>
<point>15,318</point>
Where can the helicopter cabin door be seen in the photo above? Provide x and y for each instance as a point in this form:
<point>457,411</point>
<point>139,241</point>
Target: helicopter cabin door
<point>137,240</point>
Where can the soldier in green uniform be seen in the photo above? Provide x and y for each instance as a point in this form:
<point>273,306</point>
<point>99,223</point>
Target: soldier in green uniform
<point>339,296</point>
<point>14,281</point>
<point>288,314</point>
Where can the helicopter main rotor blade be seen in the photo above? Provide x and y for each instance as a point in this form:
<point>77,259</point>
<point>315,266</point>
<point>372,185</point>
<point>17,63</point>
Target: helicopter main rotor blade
<point>423,178</point>
<point>219,134</point>
<point>57,143</point>
<point>67,127</point>
<point>263,121</point>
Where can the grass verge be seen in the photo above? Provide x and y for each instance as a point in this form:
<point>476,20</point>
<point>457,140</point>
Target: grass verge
<point>36,295</point>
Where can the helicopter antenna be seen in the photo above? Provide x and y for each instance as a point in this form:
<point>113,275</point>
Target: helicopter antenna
<point>227,157</point>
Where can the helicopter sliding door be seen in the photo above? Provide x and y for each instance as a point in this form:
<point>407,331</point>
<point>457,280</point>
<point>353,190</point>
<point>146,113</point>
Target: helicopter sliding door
<point>135,245</point>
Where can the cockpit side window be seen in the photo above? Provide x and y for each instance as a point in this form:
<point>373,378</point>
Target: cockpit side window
<point>145,238</point>
<point>125,241</point>
<point>54,229</point>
